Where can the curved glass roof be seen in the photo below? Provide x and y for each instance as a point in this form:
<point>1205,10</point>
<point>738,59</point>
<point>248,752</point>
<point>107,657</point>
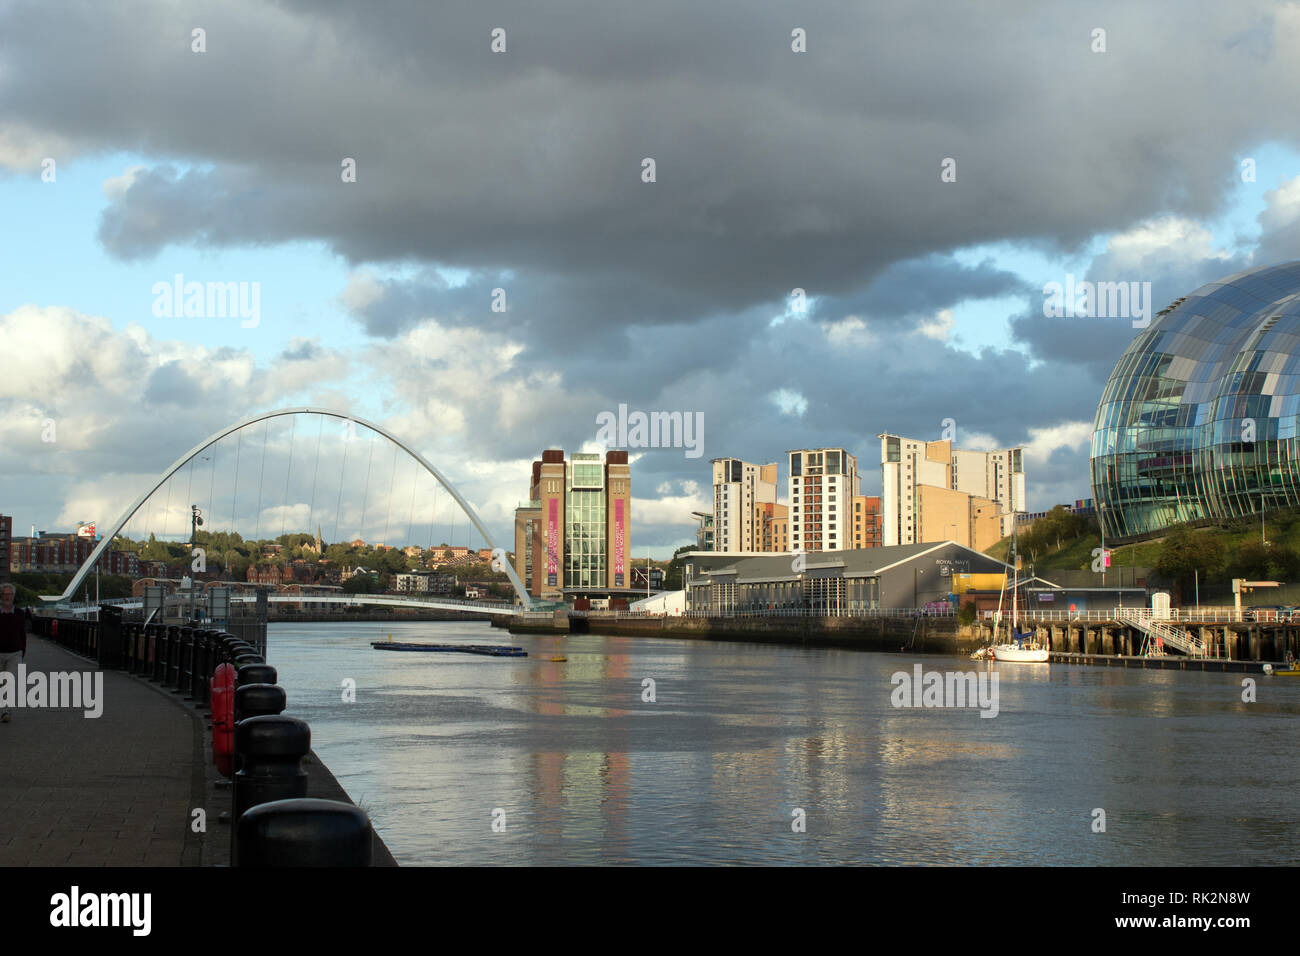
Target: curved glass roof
<point>1198,419</point>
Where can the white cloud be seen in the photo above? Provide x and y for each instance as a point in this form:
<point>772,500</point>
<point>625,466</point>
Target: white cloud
<point>362,291</point>
<point>849,332</point>
<point>1159,243</point>
<point>789,401</point>
<point>115,187</point>
<point>22,148</point>
<point>1044,441</point>
<point>940,327</point>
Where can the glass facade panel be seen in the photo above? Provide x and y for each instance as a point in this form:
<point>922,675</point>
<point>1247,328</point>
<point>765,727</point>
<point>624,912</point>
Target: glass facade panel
<point>584,520</point>
<point>1198,419</point>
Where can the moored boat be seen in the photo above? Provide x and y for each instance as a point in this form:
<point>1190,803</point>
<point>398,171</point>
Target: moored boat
<point>1023,647</point>
<point>1027,653</point>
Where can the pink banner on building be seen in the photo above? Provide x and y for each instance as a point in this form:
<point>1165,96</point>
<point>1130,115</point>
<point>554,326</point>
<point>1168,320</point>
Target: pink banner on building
<point>620,543</point>
<point>552,541</point>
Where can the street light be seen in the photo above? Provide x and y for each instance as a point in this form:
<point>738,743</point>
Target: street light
<point>1101,523</point>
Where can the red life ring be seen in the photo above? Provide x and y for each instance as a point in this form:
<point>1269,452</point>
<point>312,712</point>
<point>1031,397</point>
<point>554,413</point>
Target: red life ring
<point>223,719</point>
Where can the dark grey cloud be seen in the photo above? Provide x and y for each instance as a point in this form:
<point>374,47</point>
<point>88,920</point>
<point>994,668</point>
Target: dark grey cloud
<point>775,170</point>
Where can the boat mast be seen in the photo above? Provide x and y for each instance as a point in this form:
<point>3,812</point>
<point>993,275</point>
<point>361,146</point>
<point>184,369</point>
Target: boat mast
<point>1015,570</point>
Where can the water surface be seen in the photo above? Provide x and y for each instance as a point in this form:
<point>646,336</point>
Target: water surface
<point>584,771</point>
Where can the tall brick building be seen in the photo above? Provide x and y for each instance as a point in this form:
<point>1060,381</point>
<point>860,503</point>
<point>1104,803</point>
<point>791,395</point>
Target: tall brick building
<point>575,532</point>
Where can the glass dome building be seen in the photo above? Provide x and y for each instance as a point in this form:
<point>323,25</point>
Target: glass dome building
<point>1199,418</point>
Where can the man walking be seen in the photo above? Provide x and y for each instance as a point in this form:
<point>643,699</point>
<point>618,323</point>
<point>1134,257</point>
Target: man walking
<point>13,638</point>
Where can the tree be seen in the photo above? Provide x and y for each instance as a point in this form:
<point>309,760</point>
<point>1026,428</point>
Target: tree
<point>966,614</point>
<point>360,583</point>
<point>1184,552</point>
<point>676,568</point>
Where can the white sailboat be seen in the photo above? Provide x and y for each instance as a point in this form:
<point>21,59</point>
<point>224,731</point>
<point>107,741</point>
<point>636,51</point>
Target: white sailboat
<point>1023,648</point>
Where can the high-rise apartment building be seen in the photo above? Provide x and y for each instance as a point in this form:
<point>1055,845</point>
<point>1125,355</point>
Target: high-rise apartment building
<point>866,521</point>
<point>703,530</point>
<point>773,521</point>
<point>574,533</point>
<point>823,484</point>
<point>739,489</point>
<point>931,492</point>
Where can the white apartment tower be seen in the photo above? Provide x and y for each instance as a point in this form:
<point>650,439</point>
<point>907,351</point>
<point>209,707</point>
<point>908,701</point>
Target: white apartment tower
<point>823,484</point>
<point>931,491</point>
<point>739,487</point>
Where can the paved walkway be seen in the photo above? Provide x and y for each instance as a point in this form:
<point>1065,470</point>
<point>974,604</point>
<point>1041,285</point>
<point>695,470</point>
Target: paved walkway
<point>110,791</point>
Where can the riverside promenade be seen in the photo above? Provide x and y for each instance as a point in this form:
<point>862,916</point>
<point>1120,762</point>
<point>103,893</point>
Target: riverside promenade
<point>114,790</point>
<point>120,789</point>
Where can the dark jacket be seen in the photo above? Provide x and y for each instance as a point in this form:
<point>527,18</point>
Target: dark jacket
<point>13,631</point>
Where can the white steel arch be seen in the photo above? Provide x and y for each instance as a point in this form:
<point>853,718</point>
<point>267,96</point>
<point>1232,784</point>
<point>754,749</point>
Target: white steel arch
<point>179,463</point>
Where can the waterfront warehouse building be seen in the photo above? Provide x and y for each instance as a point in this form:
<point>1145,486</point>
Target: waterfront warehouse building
<point>1198,420</point>
<point>843,582</point>
<point>931,491</point>
<point>574,535</point>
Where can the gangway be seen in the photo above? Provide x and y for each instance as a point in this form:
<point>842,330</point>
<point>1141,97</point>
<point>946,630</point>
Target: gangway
<point>1144,619</point>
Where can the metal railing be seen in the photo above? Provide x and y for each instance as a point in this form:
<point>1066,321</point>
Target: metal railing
<point>877,612</point>
<point>1162,632</point>
<point>1204,615</point>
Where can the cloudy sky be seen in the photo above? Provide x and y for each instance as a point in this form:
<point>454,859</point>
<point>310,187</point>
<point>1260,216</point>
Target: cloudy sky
<point>1164,150</point>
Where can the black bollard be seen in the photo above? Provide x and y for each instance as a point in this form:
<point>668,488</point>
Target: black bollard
<point>271,749</point>
<point>157,648</point>
<point>258,700</point>
<point>255,674</point>
<point>304,832</point>
<point>172,672</point>
<point>185,674</point>
<point>234,646</point>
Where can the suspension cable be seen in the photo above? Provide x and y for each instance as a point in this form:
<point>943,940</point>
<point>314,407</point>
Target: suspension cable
<point>410,521</point>
<point>257,528</point>
<point>311,508</point>
<point>288,473</point>
<point>392,480</point>
<point>239,435</point>
<point>343,473</point>
<point>365,497</point>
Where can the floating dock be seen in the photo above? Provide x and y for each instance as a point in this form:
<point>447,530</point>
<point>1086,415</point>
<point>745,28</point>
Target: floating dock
<point>488,650</point>
<point>1166,662</point>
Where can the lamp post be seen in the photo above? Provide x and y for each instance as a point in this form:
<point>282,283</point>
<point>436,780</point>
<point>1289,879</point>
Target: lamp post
<point>196,519</point>
<point>1101,523</point>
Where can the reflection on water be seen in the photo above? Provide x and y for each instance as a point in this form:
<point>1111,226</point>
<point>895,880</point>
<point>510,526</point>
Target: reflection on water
<point>741,735</point>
